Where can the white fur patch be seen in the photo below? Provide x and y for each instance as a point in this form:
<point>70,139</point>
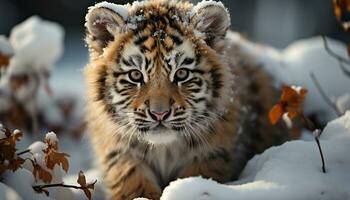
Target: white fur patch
<point>161,137</point>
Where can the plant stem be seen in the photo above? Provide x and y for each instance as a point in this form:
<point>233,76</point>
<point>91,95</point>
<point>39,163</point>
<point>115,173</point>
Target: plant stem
<point>332,53</point>
<point>23,152</point>
<point>324,95</point>
<point>341,60</point>
<point>321,153</point>
<point>36,187</point>
<point>308,123</point>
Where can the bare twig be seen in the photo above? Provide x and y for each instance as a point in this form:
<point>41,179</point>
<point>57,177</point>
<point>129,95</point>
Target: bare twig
<point>308,123</point>
<point>341,59</point>
<point>23,152</point>
<point>344,69</point>
<point>42,188</point>
<point>317,134</point>
<point>39,187</point>
<point>332,53</point>
<point>324,95</point>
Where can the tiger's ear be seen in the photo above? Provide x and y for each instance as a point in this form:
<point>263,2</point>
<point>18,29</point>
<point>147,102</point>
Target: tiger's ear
<point>103,21</point>
<point>212,19</point>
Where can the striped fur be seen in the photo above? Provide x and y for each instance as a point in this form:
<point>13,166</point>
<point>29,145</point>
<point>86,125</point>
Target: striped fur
<point>202,132</point>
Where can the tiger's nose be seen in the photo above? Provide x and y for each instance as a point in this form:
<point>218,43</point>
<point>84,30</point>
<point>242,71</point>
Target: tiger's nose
<point>159,116</point>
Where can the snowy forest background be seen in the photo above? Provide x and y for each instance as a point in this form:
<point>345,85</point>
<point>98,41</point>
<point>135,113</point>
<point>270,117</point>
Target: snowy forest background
<point>272,22</point>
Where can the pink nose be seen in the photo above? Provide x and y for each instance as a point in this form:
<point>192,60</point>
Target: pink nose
<point>159,116</point>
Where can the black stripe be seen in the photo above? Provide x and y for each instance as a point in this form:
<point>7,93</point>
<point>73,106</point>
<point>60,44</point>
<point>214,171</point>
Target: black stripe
<point>125,62</point>
<point>147,62</point>
<point>123,81</point>
<point>178,113</point>
<point>117,74</point>
<point>199,71</point>
<point>178,119</point>
<point>195,90</point>
<point>124,177</point>
<point>140,114</point>
<point>101,84</point>
<point>112,154</point>
<point>141,40</point>
<point>176,40</point>
<point>199,99</point>
<point>217,83</point>
<point>122,101</point>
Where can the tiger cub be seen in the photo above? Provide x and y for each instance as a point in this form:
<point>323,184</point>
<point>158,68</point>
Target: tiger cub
<point>168,96</point>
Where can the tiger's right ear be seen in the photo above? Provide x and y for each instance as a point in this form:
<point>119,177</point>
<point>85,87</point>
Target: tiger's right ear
<point>103,21</point>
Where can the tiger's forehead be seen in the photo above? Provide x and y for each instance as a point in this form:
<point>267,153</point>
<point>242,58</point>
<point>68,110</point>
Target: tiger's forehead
<point>134,54</point>
<point>158,25</point>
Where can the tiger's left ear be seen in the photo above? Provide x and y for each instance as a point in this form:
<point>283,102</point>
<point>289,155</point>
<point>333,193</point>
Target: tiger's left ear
<point>212,19</point>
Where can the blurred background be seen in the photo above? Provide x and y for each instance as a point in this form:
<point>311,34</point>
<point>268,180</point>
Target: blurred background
<point>273,22</point>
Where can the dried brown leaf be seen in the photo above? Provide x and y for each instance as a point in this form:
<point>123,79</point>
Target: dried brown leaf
<point>85,187</point>
<point>290,102</point>
<point>39,172</point>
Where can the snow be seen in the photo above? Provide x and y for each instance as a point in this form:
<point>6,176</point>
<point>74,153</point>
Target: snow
<point>5,46</point>
<point>205,3</point>
<point>37,43</point>
<point>37,147</point>
<point>293,65</point>
<point>119,9</point>
<point>309,55</point>
<point>22,181</point>
<point>290,171</point>
<point>343,102</point>
<point>90,175</point>
<point>2,132</point>
<point>51,138</point>
<point>7,192</point>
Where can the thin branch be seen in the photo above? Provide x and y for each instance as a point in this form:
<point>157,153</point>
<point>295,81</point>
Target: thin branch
<point>38,187</point>
<point>317,133</point>
<point>344,69</point>
<point>332,53</point>
<point>23,152</point>
<point>308,123</point>
<point>324,95</point>
<point>341,59</point>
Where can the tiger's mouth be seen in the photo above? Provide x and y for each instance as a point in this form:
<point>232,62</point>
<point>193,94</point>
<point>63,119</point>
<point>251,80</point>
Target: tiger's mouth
<point>160,127</point>
<point>160,135</point>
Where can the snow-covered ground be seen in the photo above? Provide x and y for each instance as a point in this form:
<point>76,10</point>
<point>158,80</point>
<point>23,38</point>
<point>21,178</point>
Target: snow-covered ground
<point>290,171</point>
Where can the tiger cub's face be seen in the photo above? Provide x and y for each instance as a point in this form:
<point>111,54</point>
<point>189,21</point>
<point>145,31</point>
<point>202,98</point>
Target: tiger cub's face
<point>157,67</point>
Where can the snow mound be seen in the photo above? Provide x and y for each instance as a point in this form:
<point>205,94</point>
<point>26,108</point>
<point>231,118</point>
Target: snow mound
<point>22,181</point>
<point>5,46</point>
<point>309,56</point>
<point>294,65</point>
<point>290,171</point>
<point>8,193</point>
<point>37,43</point>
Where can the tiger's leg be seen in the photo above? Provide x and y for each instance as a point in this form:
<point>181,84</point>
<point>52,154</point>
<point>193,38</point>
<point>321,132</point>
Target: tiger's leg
<point>220,167</point>
<point>127,179</point>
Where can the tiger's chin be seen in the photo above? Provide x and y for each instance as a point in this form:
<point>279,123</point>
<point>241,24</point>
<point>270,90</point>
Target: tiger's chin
<point>161,136</point>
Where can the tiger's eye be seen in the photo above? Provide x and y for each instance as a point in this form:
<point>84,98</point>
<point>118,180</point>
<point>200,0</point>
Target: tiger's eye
<point>135,76</point>
<point>181,74</point>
